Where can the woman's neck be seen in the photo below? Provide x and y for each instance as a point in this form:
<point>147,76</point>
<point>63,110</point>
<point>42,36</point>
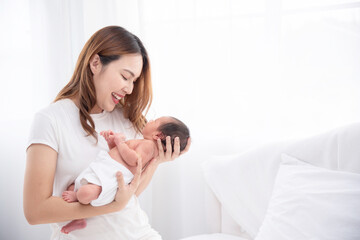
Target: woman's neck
<point>96,109</point>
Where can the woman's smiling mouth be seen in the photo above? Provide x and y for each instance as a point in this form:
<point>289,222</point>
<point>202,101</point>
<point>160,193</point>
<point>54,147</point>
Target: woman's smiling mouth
<point>116,97</point>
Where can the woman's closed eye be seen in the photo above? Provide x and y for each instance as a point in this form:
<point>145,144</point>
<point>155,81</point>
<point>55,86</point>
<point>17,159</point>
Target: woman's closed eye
<point>124,77</point>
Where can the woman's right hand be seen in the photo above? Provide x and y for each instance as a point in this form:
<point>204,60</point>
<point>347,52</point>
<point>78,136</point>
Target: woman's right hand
<point>126,191</point>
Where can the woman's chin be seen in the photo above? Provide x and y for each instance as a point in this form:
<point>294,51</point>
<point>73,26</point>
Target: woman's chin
<point>110,108</point>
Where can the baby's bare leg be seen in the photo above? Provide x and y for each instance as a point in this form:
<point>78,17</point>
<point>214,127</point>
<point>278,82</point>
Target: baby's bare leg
<point>73,225</point>
<point>88,192</point>
<point>71,187</point>
<point>85,195</point>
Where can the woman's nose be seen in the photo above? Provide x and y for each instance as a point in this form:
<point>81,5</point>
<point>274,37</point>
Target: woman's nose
<point>129,88</point>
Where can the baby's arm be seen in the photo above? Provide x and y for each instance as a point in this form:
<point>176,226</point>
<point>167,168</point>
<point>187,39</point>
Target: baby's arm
<point>110,137</point>
<point>146,150</point>
<point>127,154</point>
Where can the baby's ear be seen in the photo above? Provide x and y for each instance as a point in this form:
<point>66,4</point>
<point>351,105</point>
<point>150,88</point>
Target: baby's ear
<point>158,135</point>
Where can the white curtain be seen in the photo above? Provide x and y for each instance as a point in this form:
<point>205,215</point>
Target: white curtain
<point>238,73</point>
<point>242,73</point>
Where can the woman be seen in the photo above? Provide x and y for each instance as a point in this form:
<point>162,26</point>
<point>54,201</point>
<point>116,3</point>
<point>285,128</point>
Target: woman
<point>110,89</point>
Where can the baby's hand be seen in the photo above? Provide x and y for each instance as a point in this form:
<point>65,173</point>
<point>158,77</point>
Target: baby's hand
<point>106,134</point>
<point>109,137</point>
<point>118,138</point>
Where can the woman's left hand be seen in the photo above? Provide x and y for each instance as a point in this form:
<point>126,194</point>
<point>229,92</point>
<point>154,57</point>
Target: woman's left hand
<point>169,155</point>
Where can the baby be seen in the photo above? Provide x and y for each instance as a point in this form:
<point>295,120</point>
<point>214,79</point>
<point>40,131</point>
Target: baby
<point>97,184</point>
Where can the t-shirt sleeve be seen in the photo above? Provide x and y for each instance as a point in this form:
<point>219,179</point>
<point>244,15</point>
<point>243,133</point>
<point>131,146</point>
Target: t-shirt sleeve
<point>43,130</point>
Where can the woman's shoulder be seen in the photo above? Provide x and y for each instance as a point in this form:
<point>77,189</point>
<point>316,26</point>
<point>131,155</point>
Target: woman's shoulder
<point>59,108</point>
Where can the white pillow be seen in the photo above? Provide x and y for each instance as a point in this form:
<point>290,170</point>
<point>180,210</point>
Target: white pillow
<point>310,202</point>
<point>243,183</point>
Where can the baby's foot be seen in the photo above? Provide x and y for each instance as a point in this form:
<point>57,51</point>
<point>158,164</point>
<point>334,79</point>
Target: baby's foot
<point>69,196</point>
<point>74,225</point>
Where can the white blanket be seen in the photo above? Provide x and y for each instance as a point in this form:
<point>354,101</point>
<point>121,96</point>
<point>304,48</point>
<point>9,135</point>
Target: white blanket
<point>102,172</point>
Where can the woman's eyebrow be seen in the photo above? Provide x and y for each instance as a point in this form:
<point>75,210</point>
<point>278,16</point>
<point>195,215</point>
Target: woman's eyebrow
<point>132,74</point>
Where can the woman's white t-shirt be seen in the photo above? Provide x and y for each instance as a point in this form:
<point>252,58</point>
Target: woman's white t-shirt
<point>59,127</point>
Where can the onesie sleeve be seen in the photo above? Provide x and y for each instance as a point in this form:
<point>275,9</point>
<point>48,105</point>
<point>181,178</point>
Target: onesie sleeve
<point>43,130</point>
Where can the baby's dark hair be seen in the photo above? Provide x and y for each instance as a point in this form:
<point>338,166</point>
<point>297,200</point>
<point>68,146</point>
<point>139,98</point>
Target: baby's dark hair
<point>175,128</point>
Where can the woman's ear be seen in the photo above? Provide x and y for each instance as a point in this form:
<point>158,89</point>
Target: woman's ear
<point>95,64</point>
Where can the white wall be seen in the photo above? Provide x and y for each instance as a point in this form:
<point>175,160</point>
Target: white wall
<point>238,73</point>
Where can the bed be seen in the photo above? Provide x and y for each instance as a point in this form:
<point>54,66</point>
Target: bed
<point>302,189</point>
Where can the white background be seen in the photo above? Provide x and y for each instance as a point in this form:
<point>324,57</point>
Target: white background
<point>238,73</point>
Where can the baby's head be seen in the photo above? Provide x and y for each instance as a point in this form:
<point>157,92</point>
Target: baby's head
<point>167,126</point>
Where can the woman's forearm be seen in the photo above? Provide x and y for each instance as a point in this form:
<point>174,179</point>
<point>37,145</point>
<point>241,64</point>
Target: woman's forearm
<point>39,204</point>
<point>147,175</point>
<point>163,157</point>
<point>55,209</point>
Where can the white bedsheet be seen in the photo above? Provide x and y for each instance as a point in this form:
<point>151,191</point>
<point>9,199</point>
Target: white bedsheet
<point>215,236</point>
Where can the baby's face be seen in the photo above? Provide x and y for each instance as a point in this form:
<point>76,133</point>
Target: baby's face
<point>151,128</point>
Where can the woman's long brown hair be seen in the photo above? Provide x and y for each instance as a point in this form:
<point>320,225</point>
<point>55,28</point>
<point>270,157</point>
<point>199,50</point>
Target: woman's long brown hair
<point>110,43</point>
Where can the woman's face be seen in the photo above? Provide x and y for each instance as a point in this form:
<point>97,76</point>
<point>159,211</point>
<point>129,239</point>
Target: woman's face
<point>115,80</point>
